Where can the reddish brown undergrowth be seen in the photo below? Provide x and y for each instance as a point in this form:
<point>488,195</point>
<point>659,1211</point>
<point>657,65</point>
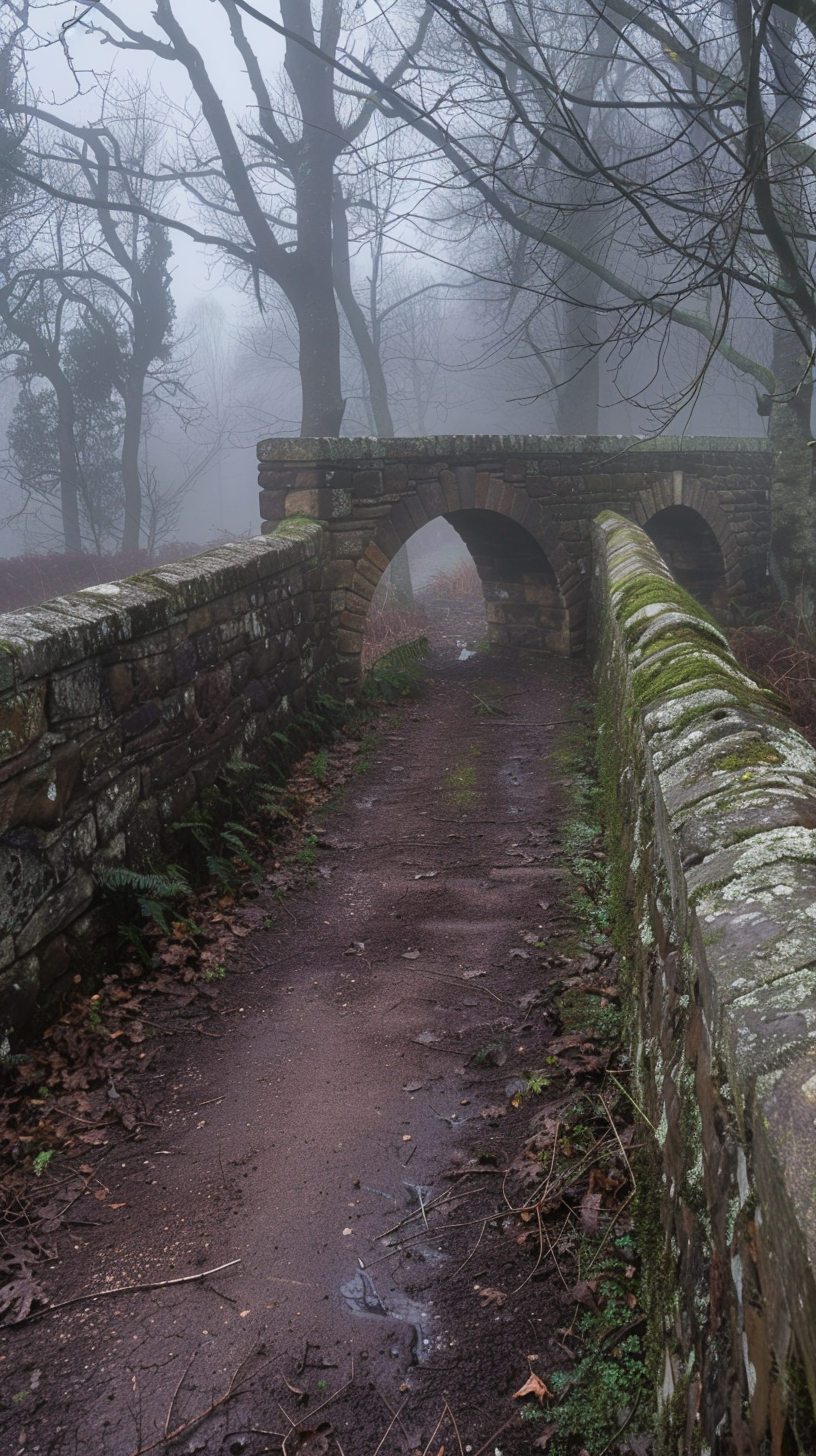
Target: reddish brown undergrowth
<point>438,613</point>
<point>27,580</point>
<point>782,652</point>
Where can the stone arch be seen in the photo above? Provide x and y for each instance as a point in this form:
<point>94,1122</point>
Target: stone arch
<point>534,591</point>
<point>687,523</point>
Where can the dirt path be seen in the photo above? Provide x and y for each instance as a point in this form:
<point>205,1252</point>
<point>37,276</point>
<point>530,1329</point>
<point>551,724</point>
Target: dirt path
<point>355,1072</point>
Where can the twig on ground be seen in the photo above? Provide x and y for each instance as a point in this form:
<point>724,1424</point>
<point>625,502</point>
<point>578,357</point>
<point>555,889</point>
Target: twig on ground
<point>194,1420</point>
<point>125,1289</point>
<point>485,1222</point>
<point>456,1429</point>
<point>188,1367</point>
<point>489,1442</point>
<point>432,1435</point>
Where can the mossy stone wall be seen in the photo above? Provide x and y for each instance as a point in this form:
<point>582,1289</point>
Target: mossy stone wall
<point>119,707</point>
<point>712,815</point>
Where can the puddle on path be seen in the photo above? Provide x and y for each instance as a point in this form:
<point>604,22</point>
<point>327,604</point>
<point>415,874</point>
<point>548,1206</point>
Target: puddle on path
<point>361,1297</point>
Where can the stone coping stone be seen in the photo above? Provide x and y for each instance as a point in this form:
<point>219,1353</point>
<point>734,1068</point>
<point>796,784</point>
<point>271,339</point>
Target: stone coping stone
<point>38,640</point>
<point>326,450</point>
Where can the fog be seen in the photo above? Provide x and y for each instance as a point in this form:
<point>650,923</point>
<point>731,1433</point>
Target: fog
<point>475,258</point>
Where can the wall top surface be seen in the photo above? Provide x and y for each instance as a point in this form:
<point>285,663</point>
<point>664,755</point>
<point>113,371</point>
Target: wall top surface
<point>35,641</point>
<point>333,450</point>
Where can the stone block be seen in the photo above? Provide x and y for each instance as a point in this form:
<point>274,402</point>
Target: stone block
<point>367,484</point>
<point>153,676</point>
<point>140,720</point>
<point>450,490</point>
<point>322,505</point>
<point>73,847</point>
<point>76,694</point>
<point>170,765</point>
<point>273,505</point>
<point>19,989</point>
<point>27,878</point>
<point>213,690</point>
<point>43,793</point>
<point>113,805</point>
<point>395,478</point>
<point>101,752</point>
<point>349,642</point>
<point>62,906</point>
<point>22,719</point>
<point>174,802</point>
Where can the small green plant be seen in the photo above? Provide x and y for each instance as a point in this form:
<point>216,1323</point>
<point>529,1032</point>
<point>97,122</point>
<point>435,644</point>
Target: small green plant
<point>308,854</point>
<point>490,1053</point>
<point>155,894</point>
<point>94,1014</point>
<point>398,673</point>
<point>462,785</point>
<point>537,1083</point>
<point>41,1161</point>
<point>320,765</point>
<point>215,973</point>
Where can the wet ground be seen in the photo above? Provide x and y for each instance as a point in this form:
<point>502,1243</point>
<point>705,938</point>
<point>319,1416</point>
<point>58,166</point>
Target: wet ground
<point>335,1138</point>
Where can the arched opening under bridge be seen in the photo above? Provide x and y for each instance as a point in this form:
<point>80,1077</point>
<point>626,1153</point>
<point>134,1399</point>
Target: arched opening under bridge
<point>691,551</point>
<point>499,585</point>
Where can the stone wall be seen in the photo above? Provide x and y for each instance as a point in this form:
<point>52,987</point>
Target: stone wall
<point>524,505</point>
<point>119,705</point>
<point>711,797</point>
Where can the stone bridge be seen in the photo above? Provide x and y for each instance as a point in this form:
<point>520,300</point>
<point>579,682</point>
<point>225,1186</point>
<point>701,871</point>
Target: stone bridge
<point>122,705</point>
<point>523,505</point>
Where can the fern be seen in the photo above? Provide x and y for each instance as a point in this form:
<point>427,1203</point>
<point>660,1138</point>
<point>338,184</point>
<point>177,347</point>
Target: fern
<point>157,886</point>
<point>154,893</point>
<point>398,673</point>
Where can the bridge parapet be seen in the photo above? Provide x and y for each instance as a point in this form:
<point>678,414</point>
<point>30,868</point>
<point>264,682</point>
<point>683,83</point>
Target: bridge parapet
<point>524,505</point>
<point>711,816</point>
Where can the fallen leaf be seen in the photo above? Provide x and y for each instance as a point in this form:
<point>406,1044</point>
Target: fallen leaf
<point>243,1314</point>
<point>584,1293</point>
<point>406,1137</point>
<point>411,955</point>
<point>426,875</point>
<point>427,1038</point>
<point>533,1386</point>
<point>590,1212</point>
<point>117,1205</point>
<point>543,1441</point>
<point>413,1086</point>
<point>488,1296</point>
<point>346,1232</point>
<point>316,1442</point>
<point>519,955</point>
<point>469,975</point>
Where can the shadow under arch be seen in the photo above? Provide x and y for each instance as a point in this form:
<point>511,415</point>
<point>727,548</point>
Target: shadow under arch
<point>691,551</point>
<point>524,605</point>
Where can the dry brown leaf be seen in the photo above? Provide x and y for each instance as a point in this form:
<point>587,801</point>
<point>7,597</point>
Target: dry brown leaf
<point>534,1386</point>
<point>491,1296</point>
<point>546,1436</point>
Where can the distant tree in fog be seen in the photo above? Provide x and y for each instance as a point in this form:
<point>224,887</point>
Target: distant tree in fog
<point>265,189</point>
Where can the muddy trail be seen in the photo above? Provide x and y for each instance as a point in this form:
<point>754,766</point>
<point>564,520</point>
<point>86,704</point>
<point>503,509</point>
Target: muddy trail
<point>347,1135</point>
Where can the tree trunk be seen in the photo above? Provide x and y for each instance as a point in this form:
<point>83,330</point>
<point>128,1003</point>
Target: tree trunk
<point>401,580</point>
<point>131,478</point>
<point>69,465</point>
<point>793,503</point>
<point>577,410</point>
<point>366,348</point>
